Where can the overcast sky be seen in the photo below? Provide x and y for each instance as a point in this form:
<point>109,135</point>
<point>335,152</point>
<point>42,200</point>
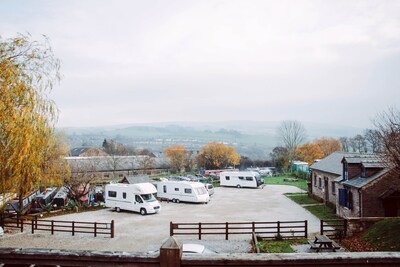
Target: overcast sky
<point>333,62</point>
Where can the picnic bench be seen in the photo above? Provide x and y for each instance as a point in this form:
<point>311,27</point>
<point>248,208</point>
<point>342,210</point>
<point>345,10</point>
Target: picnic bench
<point>322,242</point>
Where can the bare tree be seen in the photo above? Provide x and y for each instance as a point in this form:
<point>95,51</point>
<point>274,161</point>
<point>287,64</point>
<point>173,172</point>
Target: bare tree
<point>344,141</point>
<point>360,143</point>
<point>372,138</point>
<point>292,134</point>
<point>146,163</point>
<point>388,129</point>
<point>83,173</point>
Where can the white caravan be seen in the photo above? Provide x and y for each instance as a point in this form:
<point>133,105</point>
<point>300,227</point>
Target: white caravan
<point>183,191</point>
<point>241,179</point>
<point>133,197</point>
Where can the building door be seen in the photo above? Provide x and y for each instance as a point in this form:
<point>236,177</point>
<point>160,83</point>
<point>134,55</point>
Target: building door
<point>391,205</point>
<point>326,188</point>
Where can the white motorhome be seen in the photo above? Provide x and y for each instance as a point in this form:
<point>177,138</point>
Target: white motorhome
<point>183,191</point>
<point>133,197</point>
<point>241,179</point>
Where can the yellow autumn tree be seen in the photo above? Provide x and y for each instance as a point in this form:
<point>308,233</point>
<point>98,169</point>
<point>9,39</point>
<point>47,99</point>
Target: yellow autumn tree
<point>217,155</point>
<point>308,152</point>
<point>177,156</point>
<point>28,71</point>
<point>328,145</point>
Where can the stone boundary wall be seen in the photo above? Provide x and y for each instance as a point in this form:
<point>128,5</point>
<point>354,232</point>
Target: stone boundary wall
<point>357,225</point>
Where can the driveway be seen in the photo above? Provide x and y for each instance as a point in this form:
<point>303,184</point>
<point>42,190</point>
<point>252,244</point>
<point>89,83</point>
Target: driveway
<point>137,233</point>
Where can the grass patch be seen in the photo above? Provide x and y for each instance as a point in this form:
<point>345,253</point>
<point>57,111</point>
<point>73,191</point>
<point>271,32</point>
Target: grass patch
<point>301,199</point>
<point>322,212</point>
<point>384,235</point>
<point>280,180</point>
<point>283,246</point>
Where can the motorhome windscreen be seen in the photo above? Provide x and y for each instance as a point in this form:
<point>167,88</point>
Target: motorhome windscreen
<point>148,197</point>
<point>201,190</point>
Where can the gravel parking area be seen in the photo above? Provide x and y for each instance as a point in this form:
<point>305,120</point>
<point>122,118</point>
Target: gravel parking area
<point>137,233</point>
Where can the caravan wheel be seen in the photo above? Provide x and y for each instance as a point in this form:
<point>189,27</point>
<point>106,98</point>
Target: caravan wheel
<point>238,186</point>
<point>117,209</point>
<point>174,200</point>
<point>177,201</point>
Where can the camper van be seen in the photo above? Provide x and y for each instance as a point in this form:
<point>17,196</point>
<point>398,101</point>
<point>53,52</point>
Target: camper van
<point>133,197</point>
<point>178,191</point>
<point>241,179</point>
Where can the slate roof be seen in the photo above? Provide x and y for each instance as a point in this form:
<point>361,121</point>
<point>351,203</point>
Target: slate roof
<point>360,181</point>
<point>137,179</point>
<point>75,152</point>
<point>332,163</point>
<point>363,158</point>
<point>108,163</point>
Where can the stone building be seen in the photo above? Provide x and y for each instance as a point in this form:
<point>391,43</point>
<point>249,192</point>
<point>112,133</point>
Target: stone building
<point>324,174</point>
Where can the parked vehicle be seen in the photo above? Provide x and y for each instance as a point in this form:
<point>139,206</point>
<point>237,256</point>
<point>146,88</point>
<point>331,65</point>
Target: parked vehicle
<point>193,249</point>
<point>178,191</point>
<point>241,179</point>
<point>61,199</point>
<point>134,197</point>
<point>47,196</point>
<point>209,188</point>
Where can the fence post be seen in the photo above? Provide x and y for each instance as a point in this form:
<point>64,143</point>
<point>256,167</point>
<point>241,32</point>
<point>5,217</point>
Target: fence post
<point>305,229</point>
<point>171,229</point>
<point>279,228</point>
<point>52,227</point>
<point>22,225</point>
<point>199,230</point>
<point>95,229</point>
<point>171,253</point>
<point>33,226</point>
<point>253,226</point>
<point>226,231</point>
<point>73,227</point>
<point>36,222</point>
<point>112,228</point>
<point>321,230</point>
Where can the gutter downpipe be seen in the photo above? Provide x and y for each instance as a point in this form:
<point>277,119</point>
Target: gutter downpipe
<point>360,202</point>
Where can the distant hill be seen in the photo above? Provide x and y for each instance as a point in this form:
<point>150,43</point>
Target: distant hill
<point>250,138</point>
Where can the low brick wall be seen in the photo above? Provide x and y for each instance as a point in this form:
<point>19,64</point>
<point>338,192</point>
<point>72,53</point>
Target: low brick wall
<point>357,225</point>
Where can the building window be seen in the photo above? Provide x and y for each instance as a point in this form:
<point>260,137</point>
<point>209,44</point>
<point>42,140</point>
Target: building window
<point>112,194</point>
<point>345,198</point>
<point>319,182</point>
<point>345,171</point>
<point>188,191</point>
<point>315,180</point>
<point>123,195</point>
<point>106,176</point>
<point>363,172</point>
<point>333,185</point>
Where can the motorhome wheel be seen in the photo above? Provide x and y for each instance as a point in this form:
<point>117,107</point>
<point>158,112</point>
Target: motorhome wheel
<point>143,211</point>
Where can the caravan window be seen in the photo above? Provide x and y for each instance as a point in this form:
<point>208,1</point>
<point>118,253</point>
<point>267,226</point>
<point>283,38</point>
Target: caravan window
<point>241,177</point>
<point>112,193</point>
<point>165,188</point>
<point>176,189</point>
<point>201,190</point>
<point>227,178</point>
<point>123,195</point>
<point>249,178</point>
<point>188,190</point>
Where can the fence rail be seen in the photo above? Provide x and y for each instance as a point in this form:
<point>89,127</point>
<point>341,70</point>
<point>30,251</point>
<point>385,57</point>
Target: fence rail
<point>266,230</point>
<point>334,228</point>
<point>53,226</point>
<point>73,227</point>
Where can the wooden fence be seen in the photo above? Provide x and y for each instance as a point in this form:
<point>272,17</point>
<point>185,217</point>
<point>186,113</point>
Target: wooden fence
<point>53,226</point>
<point>266,230</point>
<point>334,228</point>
